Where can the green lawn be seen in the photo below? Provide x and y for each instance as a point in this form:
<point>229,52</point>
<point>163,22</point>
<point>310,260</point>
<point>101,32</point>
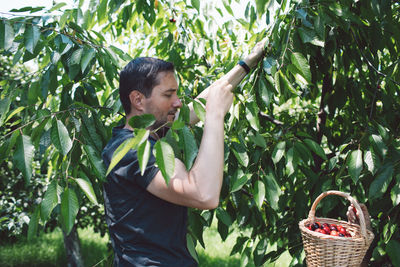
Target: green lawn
<point>48,250</point>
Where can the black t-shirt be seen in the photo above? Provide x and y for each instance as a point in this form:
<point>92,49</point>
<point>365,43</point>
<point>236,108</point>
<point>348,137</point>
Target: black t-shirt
<point>144,229</point>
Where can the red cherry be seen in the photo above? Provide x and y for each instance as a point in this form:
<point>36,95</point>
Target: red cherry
<point>342,231</point>
<point>327,230</point>
<point>334,233</point>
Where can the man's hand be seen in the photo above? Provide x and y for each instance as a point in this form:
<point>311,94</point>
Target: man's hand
<point>353,216</point>
<point>256,54</point>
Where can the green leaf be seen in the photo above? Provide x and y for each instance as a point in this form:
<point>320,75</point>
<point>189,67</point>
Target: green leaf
<point>12,113</point>
<point>31,37</point>
<point>252,115</point>
<point>371,159</point>
<point>33,224</point>
<point>224,216</point>
<point>87,188</point>
<point>196,4</point>
<point>393,250</point>
<point>263,91</point>
<point>6,35</point>
<point>91,132</point>
<point>258,140</point>
<point>239,150</point>
<point>128,144</point>
<point>177,125</point>
<point>142,121</point>
<point>199,110</point>
<point>302,65</point>
<point>190,148</point>
<point>284,83</point>
<point>355,164</point>
<point>23,156</point>
<point>278,152</point>
<point>228,8</point>
<point>57,6</point>
<point>273,190</point>
<point>143,153</point>
<point>317,149</point>
<point>196,224</point>
<point>165,159</point>
<point>260,4</point>
<point>191,247</point>
<point>49,82</point>
<point>260,251</point>
<point>184,114</point>
<point>96,161</point>
<point>303,151</point>
<point>381,182</point>
<point>69,209</point>
<point>240,180</point>
<point>310,36</point>
<point>239,245</point>
<point>378,145</point>
<point>50,200</point>
<point>88,55</point>
<point>395,193</point>
<point>74,63</point>
<point>259,193</point>
<point>4,107</point>
<point>60,137</point>
<point>278,82</point>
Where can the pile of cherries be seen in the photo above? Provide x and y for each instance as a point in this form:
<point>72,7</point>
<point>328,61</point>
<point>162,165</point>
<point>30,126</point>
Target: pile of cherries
<point>329,229</point>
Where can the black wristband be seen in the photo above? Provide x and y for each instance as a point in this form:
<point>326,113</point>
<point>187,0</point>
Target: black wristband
<point>244,66</point>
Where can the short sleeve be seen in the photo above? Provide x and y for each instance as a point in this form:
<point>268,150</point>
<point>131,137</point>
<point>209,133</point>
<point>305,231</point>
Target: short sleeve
<point>128,168</point>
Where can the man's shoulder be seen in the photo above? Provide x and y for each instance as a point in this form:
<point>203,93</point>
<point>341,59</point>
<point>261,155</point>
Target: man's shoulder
<point>119,135</point>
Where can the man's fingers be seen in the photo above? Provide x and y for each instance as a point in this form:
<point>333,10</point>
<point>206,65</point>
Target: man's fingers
<point>351,215</point>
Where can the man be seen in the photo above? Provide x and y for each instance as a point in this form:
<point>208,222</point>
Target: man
<point>147,218</point>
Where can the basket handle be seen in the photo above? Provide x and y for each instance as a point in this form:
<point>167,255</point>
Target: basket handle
<point>311,214</point>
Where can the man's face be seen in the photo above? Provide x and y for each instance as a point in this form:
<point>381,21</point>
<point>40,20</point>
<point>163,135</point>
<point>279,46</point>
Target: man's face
<point>163,102</point>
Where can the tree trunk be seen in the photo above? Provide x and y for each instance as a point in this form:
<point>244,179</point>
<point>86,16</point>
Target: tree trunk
<point>73,248</point>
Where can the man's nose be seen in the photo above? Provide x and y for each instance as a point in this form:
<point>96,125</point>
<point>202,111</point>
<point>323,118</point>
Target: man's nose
<point>177,103</point>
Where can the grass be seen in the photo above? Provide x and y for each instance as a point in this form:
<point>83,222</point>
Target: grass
<point>217,252</point>
<point>48,250</point>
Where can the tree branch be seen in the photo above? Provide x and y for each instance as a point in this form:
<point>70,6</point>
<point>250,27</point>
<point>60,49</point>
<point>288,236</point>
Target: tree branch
<point>271,119</point>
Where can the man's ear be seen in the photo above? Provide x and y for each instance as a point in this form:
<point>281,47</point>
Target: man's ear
<point>136,99</point>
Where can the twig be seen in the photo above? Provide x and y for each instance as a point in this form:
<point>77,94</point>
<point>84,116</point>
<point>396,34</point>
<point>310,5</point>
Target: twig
<point>271,119</point>
<point>244,191</point>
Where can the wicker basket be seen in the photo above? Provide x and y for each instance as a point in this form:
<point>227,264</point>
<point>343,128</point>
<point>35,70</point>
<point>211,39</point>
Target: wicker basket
<point>325,250</point>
